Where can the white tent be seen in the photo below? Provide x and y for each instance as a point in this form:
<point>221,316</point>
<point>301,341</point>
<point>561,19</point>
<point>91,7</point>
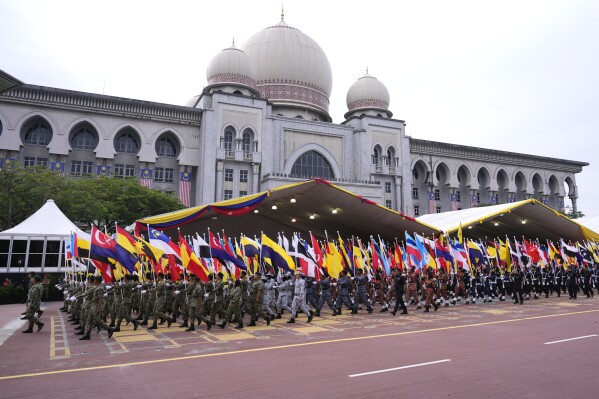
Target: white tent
<point>37,242</point>
<point>529,218</point>
<point>590,222</point>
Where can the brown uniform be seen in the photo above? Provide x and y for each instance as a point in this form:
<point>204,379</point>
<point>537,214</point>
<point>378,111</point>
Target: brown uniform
<point>412,291</point>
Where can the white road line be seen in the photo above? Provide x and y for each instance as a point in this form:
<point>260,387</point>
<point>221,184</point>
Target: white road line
<point>399,368</point>
<point>570,339</point>
<point>9,328</point>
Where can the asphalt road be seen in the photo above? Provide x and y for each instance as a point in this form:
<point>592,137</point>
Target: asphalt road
<point>547,348</point>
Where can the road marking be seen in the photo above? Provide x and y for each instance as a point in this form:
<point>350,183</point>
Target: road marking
<point>570,339</point>
<point>399,368</point>
<point>9,328</point>
<point>299,345</point>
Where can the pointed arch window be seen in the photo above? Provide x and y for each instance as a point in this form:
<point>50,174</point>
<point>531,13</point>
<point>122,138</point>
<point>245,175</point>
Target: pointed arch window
<point>166,147</point>
<point>126,143</point>
<point>312,164</point>
<point>84,139</point>
<point>38,133</point>
<point>228,141</point>
<point>246,142</point>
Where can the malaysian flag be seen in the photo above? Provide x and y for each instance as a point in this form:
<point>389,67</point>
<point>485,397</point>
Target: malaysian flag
<point>185,188</point>
<point>454,202</point>
<point>475,200</point>
<point>145,177</point>
<point>57,167</point>
<point>432,204</point>
<point>103,170</point>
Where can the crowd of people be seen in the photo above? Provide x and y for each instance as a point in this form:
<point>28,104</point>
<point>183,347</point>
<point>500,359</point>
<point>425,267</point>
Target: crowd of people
<point>157,300</point>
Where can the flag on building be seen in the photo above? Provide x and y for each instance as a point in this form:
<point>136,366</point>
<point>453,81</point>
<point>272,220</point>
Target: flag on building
<point>432,204</point>
<point>185,188</point>
<point>145,177</point>
<point>57,167</point>
<point>103,170</point>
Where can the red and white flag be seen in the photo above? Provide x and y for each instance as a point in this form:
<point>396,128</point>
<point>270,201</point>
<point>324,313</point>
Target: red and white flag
<point>185,188</point>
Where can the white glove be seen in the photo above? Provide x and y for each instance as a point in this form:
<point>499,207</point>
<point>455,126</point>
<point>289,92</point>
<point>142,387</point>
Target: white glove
<point>66,292</point>
<point>205,295</point>
<point>109,287</point>
<point>138,286</point>
<point>352,279</point>
<point>168,284</point>
<point>105,295</point>
<point>334,284</point>
<point>177,292</point>
<point>154,284</point>
<point>143,291</point>
<point>184,282</point>
<point>72,299</point>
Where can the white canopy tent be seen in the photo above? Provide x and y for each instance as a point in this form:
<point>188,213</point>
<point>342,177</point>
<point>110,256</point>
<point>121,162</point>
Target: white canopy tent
<point>37,242</point>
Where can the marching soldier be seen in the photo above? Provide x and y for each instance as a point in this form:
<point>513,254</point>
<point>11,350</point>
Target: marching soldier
<point>442,290</point>
<point>196,306</point>
<point>299,299</point>
<point>343,295</point>
<point>256,299</point>
<point>33,304</point>
<point>517,285</point>
<point>325,295</point>
<point>159,303</point>
<point>361,280</point>
<point>126,293</point>
<point>399,281</point>
<point>234,308</point>
<point>429,285</point>
<point>95,311</point>
<point>285,291</point>
<point>412,291</point>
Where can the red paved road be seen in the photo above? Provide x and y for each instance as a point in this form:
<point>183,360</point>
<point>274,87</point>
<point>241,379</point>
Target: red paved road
<point>495,350</point>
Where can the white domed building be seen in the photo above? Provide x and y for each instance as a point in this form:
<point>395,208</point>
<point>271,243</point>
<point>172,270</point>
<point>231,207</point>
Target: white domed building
<point>262,121</point>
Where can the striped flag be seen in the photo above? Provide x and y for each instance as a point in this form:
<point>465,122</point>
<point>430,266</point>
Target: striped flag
<point>432,204</point>
<point>145,177</point>
<point>185,188</point>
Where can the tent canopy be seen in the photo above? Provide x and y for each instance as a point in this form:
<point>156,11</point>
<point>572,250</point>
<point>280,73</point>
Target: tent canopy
<point>590,223</point>
<point>529,218</point>
<point>48,221</point>
<point>295,204</point>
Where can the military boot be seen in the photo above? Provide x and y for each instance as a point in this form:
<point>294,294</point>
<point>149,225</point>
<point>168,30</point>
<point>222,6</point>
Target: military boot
<point>291,321</point>
<point>154,326</point>
<point>223,324</point>
<point>239,326</point>
<point>184,325</point>
<point>40,325</point>
<point>191,327</point>
<point>86,337</point>
<point>135,325</point>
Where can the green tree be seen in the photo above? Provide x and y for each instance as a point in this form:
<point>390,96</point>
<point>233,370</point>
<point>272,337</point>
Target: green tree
<point>83,200</point>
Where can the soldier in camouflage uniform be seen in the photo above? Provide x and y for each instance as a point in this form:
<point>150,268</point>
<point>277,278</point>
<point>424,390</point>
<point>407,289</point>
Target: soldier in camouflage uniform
<point>196,304</point>
<point>361,281</point>
<point>325,295</point>
<point>170,293</point>
<point>245,292</point>
<point>85,296</point>
<point>285,292</point>
<point>234,308</point>
<point>269,295</point>
<point>33,304</point>
<point>217,297</point>
<point>181,300</point>
<point>343,296</point>
<point>95,311</point>
<point>136,295</point>
<point>160,302</point>
<point>150,300</point>
<point>299,299</point>
<point>126,292</point>
<point>256,298</point>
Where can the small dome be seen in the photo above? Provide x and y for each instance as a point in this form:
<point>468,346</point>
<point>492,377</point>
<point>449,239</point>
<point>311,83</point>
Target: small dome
<point>367,93</point>
<point>292,68</point>
<point>231,67</point>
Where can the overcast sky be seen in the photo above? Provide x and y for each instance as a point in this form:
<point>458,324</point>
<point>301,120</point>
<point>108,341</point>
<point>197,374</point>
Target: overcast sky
<point>511,75</point>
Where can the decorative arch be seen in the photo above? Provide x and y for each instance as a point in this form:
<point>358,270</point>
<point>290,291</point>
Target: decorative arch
<point>3,123</point>
<point>76,130</point>
<point>571,186</point>
<point>417,161</point>
<point>25,119</point>
<point>167,145</point>
<point>503,184</point>
<point>444,168</point>
<point>130,133</point>
<point>391,154</point>
<point>42,136</point>
<point>538,185</point>
<point>467,175</point>
<point>182,142</point>
<point>377,155</point>
<point>295,155</point>
<point>247,140</point>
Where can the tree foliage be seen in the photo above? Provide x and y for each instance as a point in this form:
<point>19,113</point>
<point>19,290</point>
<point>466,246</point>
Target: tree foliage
<point>83,200</point>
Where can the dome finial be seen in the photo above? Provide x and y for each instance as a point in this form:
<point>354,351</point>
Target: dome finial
<point>233,45</point>
<point>282,13</point>
<point>366,69</point>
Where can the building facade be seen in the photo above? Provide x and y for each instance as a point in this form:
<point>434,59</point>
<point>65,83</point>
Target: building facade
<point>261,122</point>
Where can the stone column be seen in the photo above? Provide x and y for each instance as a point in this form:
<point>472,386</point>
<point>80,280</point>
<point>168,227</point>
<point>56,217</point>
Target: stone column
<point>255,177</point>
<point>398,194</point>
<point>219,180</point>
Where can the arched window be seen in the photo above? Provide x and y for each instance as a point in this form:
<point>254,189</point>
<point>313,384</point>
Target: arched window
<point>391,157</point>
<point>246,143</point>
<point>38,133</point>
<point>312,164</point>
<point>126,143</point>
<point>229,138</point>
<point>166,147</point>
<point>376,156</point>
<point>84,139</point>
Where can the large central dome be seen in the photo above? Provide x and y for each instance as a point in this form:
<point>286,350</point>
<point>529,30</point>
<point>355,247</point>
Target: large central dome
<point>292,70</point>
